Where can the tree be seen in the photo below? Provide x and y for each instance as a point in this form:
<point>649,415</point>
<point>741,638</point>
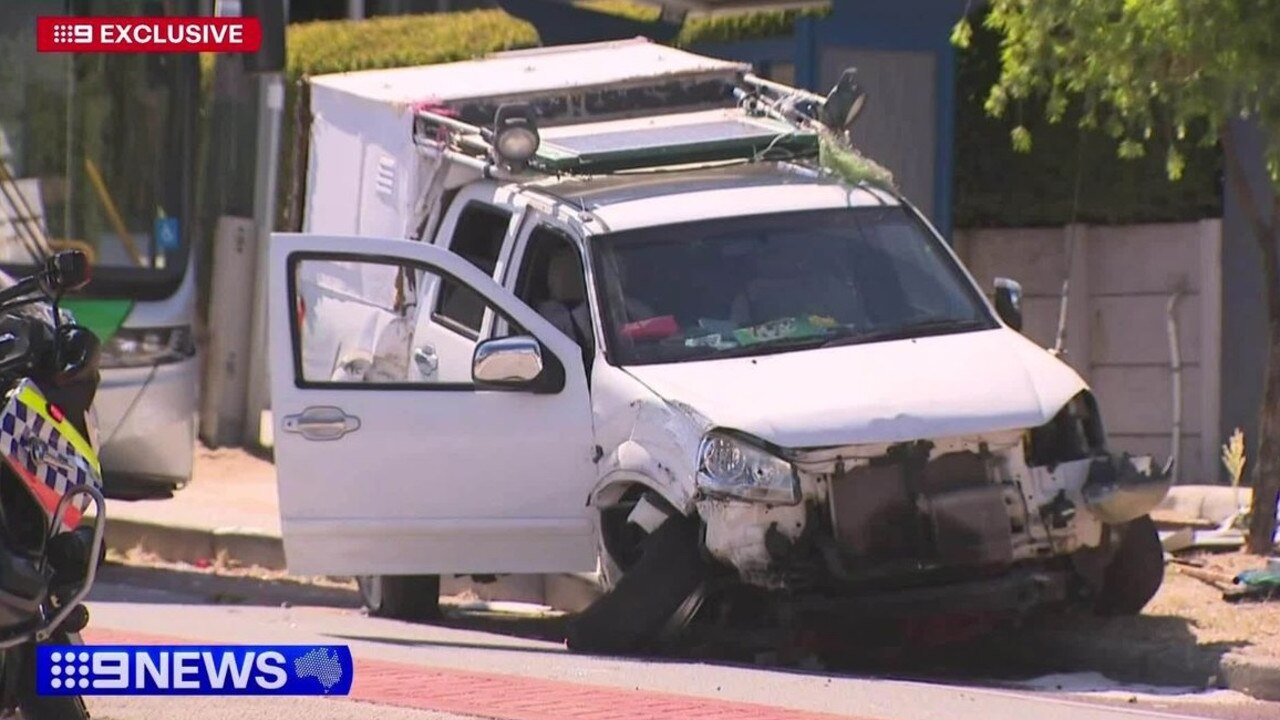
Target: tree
<point>1162,75</point>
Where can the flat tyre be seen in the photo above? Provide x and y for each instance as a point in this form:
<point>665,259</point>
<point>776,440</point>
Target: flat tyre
<point>1135,572</point>
<point>653,601</point>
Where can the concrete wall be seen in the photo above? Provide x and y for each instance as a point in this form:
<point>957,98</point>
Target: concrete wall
<point>1121,281</point>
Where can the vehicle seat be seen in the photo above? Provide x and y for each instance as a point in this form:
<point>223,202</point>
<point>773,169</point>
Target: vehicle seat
<point>784,289</point>
<point>567,306</point>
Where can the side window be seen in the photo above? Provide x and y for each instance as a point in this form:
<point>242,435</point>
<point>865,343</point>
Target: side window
<point>358,323</point>
<point>477,237</point>
<point>551,280</point>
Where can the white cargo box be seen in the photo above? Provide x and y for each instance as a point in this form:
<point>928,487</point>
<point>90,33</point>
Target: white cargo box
<point>365,175</point>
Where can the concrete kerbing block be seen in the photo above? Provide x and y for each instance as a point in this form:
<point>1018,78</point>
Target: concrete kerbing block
<point>176,544</point>
<point>1255,676</point>
<point>249,546</point>
<point>1214,503</point>
<point>189,545</point>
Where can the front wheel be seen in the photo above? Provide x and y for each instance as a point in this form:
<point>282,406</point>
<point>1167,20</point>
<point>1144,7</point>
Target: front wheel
<point>401,597</point>
<point>1135,572</point>
<point>654,600</point>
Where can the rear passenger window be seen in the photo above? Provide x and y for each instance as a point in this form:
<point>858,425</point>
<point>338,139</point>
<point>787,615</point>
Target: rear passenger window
<point>477,238</point>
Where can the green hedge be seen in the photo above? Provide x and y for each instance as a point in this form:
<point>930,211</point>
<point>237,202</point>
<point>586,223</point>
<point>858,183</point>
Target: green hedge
<point>998,187</point>
<point>331,46</point>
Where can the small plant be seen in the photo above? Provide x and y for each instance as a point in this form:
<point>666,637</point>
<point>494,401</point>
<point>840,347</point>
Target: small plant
<point>1233,459</point>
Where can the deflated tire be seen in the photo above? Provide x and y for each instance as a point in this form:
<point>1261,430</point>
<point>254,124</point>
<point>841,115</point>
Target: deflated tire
<point>662,584</point>
<point>1135,572</point>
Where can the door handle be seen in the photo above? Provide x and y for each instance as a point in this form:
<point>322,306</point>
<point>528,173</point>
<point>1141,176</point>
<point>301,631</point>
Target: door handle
<point>427,361</point>
<point>321,423</point>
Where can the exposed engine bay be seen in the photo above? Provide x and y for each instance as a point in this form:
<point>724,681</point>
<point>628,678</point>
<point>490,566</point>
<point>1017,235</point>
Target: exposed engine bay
<point>900,513</point>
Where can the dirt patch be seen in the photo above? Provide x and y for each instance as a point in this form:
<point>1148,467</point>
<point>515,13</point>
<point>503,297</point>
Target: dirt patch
<point>1190,616</point>
<point>1181,638</point>
<point>1253,627</point>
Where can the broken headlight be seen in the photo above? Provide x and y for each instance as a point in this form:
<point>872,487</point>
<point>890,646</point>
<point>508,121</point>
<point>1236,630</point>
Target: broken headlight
<point>731,468</point>
<point>1075,433</point>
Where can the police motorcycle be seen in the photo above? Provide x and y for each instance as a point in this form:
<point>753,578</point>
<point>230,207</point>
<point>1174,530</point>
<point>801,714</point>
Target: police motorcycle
<point>49,475</point>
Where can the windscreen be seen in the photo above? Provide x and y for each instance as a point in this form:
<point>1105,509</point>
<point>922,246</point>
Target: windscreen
<point>779,282</point>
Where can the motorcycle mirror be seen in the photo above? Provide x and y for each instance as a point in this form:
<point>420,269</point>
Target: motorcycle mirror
<point>68,270</point>
<point>79,354</point>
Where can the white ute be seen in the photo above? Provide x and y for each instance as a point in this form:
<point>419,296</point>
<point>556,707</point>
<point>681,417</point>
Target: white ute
<point>600,307</point>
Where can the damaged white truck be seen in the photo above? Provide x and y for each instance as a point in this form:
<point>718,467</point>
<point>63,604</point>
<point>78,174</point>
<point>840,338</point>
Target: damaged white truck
<point>604,308</point>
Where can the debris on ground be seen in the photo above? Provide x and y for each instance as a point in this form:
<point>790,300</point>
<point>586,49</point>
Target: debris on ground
<point>1250,584</point>
<point>1191,609</point>
<point>1257,584</point>
<point>1218,580</point>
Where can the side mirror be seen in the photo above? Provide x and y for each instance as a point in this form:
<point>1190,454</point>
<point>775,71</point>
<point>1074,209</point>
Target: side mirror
<point>507,363</point>
<point>68,270</point>
<point>79,353</point>
<point>1009,302</point>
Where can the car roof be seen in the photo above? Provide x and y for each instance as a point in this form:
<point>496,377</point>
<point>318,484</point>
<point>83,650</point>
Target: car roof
<point>660,197</point>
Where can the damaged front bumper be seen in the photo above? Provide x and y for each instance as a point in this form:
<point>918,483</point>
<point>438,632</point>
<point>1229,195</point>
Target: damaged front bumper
<point>964,518</point>
<point>1121,488</point>
<point>1017,591</point>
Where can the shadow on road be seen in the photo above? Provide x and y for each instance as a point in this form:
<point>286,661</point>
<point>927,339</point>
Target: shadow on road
<point>1158,650</point>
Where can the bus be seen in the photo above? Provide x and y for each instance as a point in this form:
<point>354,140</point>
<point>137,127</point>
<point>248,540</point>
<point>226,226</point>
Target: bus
<point>97,153</point>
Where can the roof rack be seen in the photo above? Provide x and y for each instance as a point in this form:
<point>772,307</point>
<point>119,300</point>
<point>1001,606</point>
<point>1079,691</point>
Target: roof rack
<point>754,119</point>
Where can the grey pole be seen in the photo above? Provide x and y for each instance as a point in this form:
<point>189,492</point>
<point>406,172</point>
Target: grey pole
<point>270,112</point>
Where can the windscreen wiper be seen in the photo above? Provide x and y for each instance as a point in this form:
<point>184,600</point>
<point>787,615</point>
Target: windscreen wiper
<point>926,328</point>
<point>785,343</point>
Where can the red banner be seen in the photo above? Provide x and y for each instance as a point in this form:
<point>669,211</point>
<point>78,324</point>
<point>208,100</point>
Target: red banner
<point>148,34</point>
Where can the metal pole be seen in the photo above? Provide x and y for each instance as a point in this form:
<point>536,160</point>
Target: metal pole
<point>355,9</point>
<point>270,112</point>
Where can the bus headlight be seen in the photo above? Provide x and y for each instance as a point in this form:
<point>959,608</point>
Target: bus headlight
<point>730,467</point>
<point>142,347</point>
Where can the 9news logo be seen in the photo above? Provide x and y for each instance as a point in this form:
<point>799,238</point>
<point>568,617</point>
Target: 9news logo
<point>193,670</point>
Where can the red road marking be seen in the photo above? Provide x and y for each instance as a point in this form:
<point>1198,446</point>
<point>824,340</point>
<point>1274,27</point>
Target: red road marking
<point>510,697</point>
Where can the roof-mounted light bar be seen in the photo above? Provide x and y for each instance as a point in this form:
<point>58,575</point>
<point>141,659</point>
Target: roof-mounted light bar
<point>511,145</point>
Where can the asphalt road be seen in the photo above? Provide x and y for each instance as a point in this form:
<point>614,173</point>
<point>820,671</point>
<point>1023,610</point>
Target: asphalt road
<point>478,664</point>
